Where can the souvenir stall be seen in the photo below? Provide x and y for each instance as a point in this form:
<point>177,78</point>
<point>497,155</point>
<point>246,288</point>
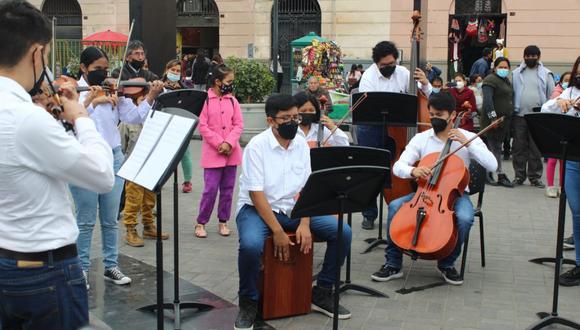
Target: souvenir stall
<point>313,55</point>
<point>469,34</point>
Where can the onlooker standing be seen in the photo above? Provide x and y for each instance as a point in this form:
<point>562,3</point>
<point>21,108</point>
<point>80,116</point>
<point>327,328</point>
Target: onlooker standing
<point>135,63</point>
<point>432,72</point>
<point>315,89</point>
<point>482,66</point>
<point>533,85</point>
<point>200,70</point>
<point>220,126</point>
<point>476,84</point>
<point>551,190</point>
<point>41,280</point>
<point>353,76</point>
<point>279,74</point>
<point>437,85</point>
<point>465,101</point>
<point>498,102</point>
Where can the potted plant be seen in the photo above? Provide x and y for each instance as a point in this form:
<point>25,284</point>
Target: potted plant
<point>254,82</point>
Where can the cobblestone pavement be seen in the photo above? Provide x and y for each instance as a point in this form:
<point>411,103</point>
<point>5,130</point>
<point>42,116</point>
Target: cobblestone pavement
<point>520,224</point>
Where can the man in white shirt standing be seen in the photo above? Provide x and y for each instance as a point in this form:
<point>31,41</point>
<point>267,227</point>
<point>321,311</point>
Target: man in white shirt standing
<point>442,112</point>
<point>384,76</point>
<point>42,285</point>
<point>275,167</point>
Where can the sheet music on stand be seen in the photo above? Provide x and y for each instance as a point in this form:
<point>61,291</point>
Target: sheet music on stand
<point>158,147</point>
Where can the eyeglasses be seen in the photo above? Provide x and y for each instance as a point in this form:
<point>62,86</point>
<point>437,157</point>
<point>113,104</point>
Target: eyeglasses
<point>286,119</point>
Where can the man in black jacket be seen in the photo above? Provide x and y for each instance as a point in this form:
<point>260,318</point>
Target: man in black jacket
<point>200,70</point>
<point>135,60</point>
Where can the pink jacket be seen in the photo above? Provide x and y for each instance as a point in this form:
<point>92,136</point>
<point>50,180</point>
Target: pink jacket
<point>220,121</point>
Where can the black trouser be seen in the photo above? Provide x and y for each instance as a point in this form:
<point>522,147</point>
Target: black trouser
<point>280,80</point>
<point>525,153</point>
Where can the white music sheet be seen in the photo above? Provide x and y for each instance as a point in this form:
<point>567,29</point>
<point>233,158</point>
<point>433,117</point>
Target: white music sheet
<point>158,143</point>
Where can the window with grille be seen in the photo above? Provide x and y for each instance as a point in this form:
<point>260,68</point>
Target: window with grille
<point>477,6</point>
<point>197,8</point>
<point>69,18</point>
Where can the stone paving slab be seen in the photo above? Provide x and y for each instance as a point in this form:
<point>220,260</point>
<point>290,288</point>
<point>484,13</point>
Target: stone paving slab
<point>520,224</point>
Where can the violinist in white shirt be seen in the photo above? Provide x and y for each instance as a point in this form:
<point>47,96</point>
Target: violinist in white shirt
<point>41,280</point>
<point>312,117</point>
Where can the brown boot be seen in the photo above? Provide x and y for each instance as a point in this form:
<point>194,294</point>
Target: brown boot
<point>150,232</point>
<point>133,238</point>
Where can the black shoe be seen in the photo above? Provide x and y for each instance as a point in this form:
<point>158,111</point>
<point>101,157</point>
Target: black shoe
<point>490,180</point>
<point>247,314</point>
<point>571,277</point>
<point>116,276</point>
<point>503,180</point>
<point>537,183</point>
<point>386,273</point>
<point>368,223</point>
<point>518,182</point>
<point>569,243</point>
<point>451,276</point>
<point>323,302</point>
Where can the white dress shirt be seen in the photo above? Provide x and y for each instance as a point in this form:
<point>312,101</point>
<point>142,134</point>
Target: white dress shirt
<point>571,93</point>
<point>373,81</point>
<point>339,138</point>
<point>37,161</point>
<point>427,142</point>
<point>107,118</point>
<point>279,173</point>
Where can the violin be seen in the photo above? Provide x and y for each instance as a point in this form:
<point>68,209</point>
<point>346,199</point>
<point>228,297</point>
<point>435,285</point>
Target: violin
<point>425,226</point>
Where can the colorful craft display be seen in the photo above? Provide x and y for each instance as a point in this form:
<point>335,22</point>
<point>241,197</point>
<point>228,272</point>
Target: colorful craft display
<point>323,60</point>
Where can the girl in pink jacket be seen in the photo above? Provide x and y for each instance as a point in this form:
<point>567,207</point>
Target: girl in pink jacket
<point>220,126</point>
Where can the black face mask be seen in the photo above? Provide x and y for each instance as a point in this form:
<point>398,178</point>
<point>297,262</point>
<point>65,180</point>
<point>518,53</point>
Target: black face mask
<point>577,81</point>
<point>388,70</point>
<point>308,118</point>
<point>96,77</point>
<point>137,65</point>
<point>226,89</point>
<point>36,89</point>
<point>288,130</point>
<point>531,62</point>
<point>438,124</point>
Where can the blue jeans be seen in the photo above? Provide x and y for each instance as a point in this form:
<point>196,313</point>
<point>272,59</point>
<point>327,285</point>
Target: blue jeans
<point>253,232</point>
<point>370,136</point>
<point>464,215</point>
<point>572,188</point>
<point>53,296</point>
<point>86,205</point>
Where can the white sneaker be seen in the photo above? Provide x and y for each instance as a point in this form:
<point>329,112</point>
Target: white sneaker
<point>116,276</point>
<point>552,192</point>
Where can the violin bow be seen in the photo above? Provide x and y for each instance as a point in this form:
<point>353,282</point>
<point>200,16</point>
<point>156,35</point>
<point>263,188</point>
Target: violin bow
<point>491,126</point>
<point>353,108</point>
<point>125,52</point>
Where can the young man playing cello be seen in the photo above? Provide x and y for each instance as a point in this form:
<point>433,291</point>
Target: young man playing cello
<point>442,113</point>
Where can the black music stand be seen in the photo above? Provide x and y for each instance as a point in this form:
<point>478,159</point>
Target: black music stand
<point>339,190</point>
<point>332,157</point>
<point>556,135</point>
<point>385,109</point>
<point>167,102</point>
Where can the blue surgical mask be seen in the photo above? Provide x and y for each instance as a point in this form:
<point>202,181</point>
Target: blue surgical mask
<point>173,76</point>
<point>502,72</point>
<point>565,85</point>
<point>436,90</point>
<point>479,85</point>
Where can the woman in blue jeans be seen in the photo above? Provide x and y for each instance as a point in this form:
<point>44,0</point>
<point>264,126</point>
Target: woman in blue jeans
<point>106,111</point>
<point>567,103</point>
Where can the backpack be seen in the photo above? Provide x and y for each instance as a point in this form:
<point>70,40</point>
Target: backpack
<point>471,30</point>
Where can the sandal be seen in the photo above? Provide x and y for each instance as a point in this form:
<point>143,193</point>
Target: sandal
<point>200,231</point>
<point>223,229</point>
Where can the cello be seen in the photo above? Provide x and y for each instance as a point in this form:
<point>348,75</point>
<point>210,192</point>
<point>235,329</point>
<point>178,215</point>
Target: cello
<point>400,136</point>
<point>425,226</point>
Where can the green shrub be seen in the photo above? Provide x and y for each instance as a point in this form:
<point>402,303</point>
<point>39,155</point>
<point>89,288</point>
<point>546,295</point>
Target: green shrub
<point>253,81</point>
